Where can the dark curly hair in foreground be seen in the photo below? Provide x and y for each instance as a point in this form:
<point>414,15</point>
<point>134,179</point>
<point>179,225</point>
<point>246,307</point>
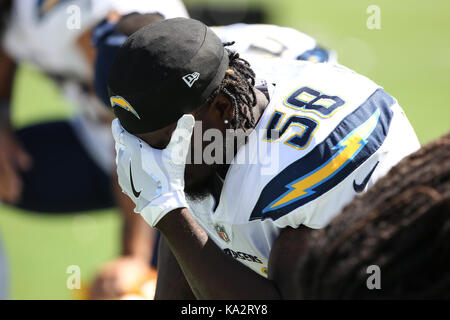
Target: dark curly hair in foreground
<point>401,225</point>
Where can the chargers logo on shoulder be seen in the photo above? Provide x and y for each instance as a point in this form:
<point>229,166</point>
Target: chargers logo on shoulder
<point>118,101</point>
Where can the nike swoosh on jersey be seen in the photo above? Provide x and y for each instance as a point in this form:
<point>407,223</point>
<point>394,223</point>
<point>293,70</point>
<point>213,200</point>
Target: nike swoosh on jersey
<point>136,194</point>
<point>360,187</point>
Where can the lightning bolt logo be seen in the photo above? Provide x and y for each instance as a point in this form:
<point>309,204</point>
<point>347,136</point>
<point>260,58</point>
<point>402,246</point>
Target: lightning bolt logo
<point>347,149</point>
<point>122,103</point>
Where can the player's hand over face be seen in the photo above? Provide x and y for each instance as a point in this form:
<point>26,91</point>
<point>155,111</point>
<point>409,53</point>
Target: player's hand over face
<point>13,159</point>
<point>152,178</point>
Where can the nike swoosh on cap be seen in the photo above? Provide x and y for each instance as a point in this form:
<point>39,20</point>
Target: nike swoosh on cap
<point>360,187</point>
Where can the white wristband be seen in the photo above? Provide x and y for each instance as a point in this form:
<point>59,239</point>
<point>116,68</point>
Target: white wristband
<point>161,206</point>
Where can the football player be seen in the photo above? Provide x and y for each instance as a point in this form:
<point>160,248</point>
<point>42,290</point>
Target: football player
<point>310,137</point>
<point>55,37</point>
<point>259,40</point>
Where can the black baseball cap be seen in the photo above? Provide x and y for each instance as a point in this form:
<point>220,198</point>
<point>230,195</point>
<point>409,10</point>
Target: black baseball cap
<point>163,71</point>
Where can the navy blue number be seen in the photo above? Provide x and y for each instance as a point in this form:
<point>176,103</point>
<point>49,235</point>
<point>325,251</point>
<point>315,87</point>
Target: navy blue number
<point>312,100</point>
<point>298,140</point>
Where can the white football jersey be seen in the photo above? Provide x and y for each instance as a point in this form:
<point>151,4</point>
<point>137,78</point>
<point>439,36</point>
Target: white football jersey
<point>45,32</point>
<point>326,135</point>
<point>273,41</point>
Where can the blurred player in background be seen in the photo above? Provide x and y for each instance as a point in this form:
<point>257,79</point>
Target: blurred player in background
<point>68,166</point>
<point>401,226</point>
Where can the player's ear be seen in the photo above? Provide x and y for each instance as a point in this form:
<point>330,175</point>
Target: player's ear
<point>223,107</point>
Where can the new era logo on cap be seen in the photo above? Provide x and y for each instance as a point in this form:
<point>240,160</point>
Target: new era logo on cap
<point>191,78</point>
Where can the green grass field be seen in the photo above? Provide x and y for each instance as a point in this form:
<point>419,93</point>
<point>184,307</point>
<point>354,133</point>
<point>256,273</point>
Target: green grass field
<point>409,57</point>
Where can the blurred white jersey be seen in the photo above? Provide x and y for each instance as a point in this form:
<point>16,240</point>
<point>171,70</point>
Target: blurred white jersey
<point>45,33</point>
<point>326,135</point>
<point>273,41</point>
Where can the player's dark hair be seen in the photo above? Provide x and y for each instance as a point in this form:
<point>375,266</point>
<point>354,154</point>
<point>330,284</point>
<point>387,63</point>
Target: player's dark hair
<point>5,10</point>
<point>401,225</point>
<point>238,86</point>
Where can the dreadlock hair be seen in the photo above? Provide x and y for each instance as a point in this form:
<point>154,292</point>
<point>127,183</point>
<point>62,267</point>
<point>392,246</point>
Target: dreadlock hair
<point>402,225</point>
<point>238,86</point>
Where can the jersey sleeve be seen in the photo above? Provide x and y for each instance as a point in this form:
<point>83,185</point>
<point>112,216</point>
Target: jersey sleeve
<point>391,140</point>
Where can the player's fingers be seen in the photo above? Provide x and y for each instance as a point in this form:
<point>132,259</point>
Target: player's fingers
<point>110,288</point>
<point>128,146</point>
<point>101,290</point>
<point>122,136</point>
<point>10,183</point>
<point>129,140</point>
<point>117,130</point>
<point>183,131</point>
<point>24,160</point>
<point>105,285</point>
